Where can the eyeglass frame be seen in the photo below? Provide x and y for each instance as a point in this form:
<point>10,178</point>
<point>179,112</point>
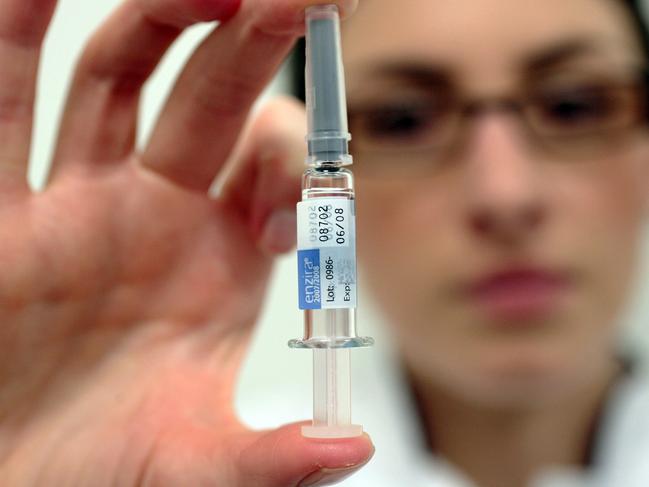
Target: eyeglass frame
<point>466,108</point>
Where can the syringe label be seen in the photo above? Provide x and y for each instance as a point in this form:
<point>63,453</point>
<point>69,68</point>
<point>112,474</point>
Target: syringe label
<point>326,255</point>
<point>325,222</point>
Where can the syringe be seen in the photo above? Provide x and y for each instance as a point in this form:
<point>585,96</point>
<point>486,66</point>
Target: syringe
<point>327,233</point>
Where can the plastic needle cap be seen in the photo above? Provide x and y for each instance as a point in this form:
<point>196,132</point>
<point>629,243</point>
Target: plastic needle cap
<point>328,134</point>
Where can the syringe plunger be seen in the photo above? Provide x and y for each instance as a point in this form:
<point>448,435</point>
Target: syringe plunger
<point>332,411</point>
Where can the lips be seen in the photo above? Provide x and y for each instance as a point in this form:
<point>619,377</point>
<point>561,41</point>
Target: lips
<point>519,294</point>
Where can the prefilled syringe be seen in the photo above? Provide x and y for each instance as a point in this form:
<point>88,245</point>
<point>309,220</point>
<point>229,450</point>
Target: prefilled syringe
<point>327,233</point>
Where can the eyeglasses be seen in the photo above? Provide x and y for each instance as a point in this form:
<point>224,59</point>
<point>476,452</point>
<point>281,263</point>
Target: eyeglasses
<point>569,119</point>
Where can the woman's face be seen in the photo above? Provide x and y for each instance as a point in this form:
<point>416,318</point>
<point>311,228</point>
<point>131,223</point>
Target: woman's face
<point>500,246</point>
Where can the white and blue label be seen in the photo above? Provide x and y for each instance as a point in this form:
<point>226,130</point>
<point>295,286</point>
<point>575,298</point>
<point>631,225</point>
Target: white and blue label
<point>326,253</point>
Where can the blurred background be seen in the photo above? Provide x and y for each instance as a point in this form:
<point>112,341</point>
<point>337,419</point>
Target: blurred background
<point>275,385</point>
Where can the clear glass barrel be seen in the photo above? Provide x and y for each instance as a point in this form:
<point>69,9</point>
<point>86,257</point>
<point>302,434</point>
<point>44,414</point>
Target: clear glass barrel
<point>329,328</point>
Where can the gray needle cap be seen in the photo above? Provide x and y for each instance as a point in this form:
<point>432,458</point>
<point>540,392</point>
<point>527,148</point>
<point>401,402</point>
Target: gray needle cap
<point>328,135</point>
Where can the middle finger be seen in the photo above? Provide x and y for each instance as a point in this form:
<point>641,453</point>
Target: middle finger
<point>211,100</point>
<point>99,121</point>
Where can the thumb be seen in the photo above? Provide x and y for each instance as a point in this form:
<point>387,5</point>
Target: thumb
<point>284,458</point>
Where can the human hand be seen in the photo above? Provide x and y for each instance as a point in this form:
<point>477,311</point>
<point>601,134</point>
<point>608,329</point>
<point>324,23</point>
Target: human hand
<point>127,295</point>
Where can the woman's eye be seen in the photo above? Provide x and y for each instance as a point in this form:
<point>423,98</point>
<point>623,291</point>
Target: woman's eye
<point>400,121</point>
<point>579,107</point>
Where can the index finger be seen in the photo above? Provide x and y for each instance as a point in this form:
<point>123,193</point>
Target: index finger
<point>100,119</point>
<point>209,105</point>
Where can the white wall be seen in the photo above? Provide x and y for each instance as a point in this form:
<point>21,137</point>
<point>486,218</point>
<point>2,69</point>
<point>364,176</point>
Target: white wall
<point>273,374</point>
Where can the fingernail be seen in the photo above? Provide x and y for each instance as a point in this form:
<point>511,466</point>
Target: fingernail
<point>327,476</point>
<point>279,234</point>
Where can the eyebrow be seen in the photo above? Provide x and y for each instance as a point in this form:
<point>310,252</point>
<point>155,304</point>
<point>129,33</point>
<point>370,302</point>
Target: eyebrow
<point>558,53</point>
<point>430,74</point>
<point>421,73</point>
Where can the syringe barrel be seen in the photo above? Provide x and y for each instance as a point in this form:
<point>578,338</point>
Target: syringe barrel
<point>333,327</point>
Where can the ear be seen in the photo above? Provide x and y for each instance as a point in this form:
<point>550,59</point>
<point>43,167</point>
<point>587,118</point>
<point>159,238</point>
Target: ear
<point>645,192</point>
<point>642,158</point>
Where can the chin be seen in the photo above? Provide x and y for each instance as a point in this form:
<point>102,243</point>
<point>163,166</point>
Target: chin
<point>513,375</point>
<point>520,376</point>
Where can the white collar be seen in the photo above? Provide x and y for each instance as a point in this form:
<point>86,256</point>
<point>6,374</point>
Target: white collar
<point>384,405</point>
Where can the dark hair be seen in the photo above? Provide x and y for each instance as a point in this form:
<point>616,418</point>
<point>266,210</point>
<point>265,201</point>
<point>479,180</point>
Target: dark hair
<point>634,6</point>
<point>640,24</point>
<point>297,63</point>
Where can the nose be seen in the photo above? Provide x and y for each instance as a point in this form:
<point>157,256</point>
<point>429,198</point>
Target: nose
<point>503,187</point>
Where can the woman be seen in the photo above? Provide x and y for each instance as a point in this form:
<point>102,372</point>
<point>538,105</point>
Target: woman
<point>507,170</point>
<point>503,190</point>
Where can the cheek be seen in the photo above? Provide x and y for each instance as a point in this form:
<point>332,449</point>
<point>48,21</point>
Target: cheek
<point>599,218</point>
<point>382,231</point>
<point>404,244</point>
<point>392,222</point>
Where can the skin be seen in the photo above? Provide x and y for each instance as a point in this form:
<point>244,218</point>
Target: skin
<point>125,330</point>
<point>500,400</point>
<point>127,295</point>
